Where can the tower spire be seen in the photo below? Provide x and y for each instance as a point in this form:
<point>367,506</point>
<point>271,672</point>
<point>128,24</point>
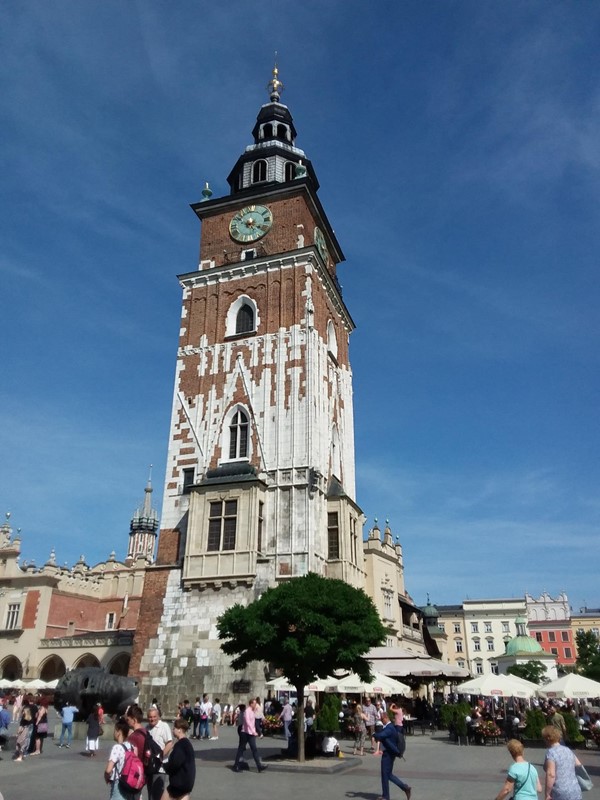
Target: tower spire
<point>275,87</point>
<point>144,527</point>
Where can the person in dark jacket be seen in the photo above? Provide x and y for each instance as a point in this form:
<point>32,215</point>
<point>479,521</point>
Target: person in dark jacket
<point>393,747</point>
<point>181,766</point>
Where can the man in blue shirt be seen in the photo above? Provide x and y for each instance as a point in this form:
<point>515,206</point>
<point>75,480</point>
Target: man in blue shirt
<point>67,714</point>
<point>4,723</point>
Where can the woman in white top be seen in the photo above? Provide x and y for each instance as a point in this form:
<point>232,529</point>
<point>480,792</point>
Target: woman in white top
<point>115,763</point>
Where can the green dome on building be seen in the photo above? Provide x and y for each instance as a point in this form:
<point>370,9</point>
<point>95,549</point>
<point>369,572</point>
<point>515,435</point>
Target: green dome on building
<point>522,643</point>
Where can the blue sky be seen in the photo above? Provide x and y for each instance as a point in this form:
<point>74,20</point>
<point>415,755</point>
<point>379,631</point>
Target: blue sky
<point>457,148</point>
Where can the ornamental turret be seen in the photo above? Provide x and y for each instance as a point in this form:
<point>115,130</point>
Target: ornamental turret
<point>274,157</point>
<point>144,528</point>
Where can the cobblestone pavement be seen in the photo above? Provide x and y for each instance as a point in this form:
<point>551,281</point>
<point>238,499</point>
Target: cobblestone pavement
<point>435,768</point>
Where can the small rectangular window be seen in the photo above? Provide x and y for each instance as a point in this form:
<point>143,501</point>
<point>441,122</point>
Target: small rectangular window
<point>110,620</point>
<point>222,525</point>
<point>490,644</point>
<point>459,646</point>
<point>538,636</point>
<point>488,627</point>
<point>474,627</point>
<point>564,635</point>
<point>457,627</point>
<point>12,616</point>
<point>259,535</point>
<point>554,651</point>
<point>479,668</point>
<point>188,479</point>
<point>551,636</point>
<point>505,627</point>
<point>494,668</point>
<point>477,645</point>
<point>333,535</point>
<point>568,653</point>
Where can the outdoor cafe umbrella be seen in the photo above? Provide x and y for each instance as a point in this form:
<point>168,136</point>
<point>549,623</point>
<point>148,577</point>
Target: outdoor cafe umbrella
<point>571,686</point>
<point>35,685</point>
<point>379,684</point>
<point>282,684</point>
<point>495,686</point>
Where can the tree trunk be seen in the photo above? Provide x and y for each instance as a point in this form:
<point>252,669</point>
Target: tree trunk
<point>300,721</point>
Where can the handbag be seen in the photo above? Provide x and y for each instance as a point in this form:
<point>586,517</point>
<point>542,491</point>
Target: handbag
<point>583,779</point>
<point>42,727</point>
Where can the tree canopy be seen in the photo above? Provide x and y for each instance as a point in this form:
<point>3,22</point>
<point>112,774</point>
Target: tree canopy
<point>588,654</point>
<point>532,671</point>
<point>308,627</point>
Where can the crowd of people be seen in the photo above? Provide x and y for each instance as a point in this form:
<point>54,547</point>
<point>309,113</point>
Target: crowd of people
<point>148,753</point>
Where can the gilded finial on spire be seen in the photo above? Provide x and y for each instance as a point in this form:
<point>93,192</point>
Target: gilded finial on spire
<point>275,86</point>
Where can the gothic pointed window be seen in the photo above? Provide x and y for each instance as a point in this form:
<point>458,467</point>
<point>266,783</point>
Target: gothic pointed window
<point>259,171</point>
<point>244,322</point>
<point>238,436</point>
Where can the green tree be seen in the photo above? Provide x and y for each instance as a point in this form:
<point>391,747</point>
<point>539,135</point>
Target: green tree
<point>588,654</point>
<point>532,671</point>
<point>308,627</point>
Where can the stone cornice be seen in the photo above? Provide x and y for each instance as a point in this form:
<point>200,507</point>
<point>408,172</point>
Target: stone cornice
<point>305,256</point>
<point>99,639</point>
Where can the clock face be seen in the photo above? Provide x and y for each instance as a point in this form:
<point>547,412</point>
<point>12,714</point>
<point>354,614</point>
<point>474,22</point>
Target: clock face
<point>250,223</point>
<point>321,245</point>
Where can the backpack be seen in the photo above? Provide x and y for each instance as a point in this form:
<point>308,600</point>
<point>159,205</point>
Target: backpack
<point>132,777</point>
<point>152,758</point>
<point>401,744</point>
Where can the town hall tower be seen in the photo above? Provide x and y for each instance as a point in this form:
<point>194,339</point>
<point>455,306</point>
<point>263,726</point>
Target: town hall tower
<point>260,483</point>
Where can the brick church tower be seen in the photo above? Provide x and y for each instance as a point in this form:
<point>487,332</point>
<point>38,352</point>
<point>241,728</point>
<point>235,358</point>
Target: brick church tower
<point>260,470</point>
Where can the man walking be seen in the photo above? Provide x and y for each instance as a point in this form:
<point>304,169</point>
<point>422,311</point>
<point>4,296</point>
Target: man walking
<point>287,713</point>
<point>161,734</point>
<point>370,713</point>
<point>557,719</point>
<point>205,716</point>
<point>68,715</point>
<point>393,747</point>
<point>248,737</point>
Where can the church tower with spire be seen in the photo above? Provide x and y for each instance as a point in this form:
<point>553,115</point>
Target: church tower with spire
<point>260,483</point>
<point>143,529</point>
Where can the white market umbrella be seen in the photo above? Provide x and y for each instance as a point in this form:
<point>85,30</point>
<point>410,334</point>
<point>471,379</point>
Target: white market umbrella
<point>35,685</point>
<point>495,686</point>
<point>52,684</point>
<point>282,684</point>
<point>380,684</point>
<point>528,684</point>
<point>571,686</point>
<point>18,684</point>
<point>5,683</point>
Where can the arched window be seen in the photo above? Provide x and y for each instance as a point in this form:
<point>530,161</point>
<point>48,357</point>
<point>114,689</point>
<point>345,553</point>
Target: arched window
<point>290,171</point>
<point>259,171</point>
<point>242,317</point>
<point>268,131</point>
<point>331,339</point>
<point>244,321</point>
<point>238,435</point>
